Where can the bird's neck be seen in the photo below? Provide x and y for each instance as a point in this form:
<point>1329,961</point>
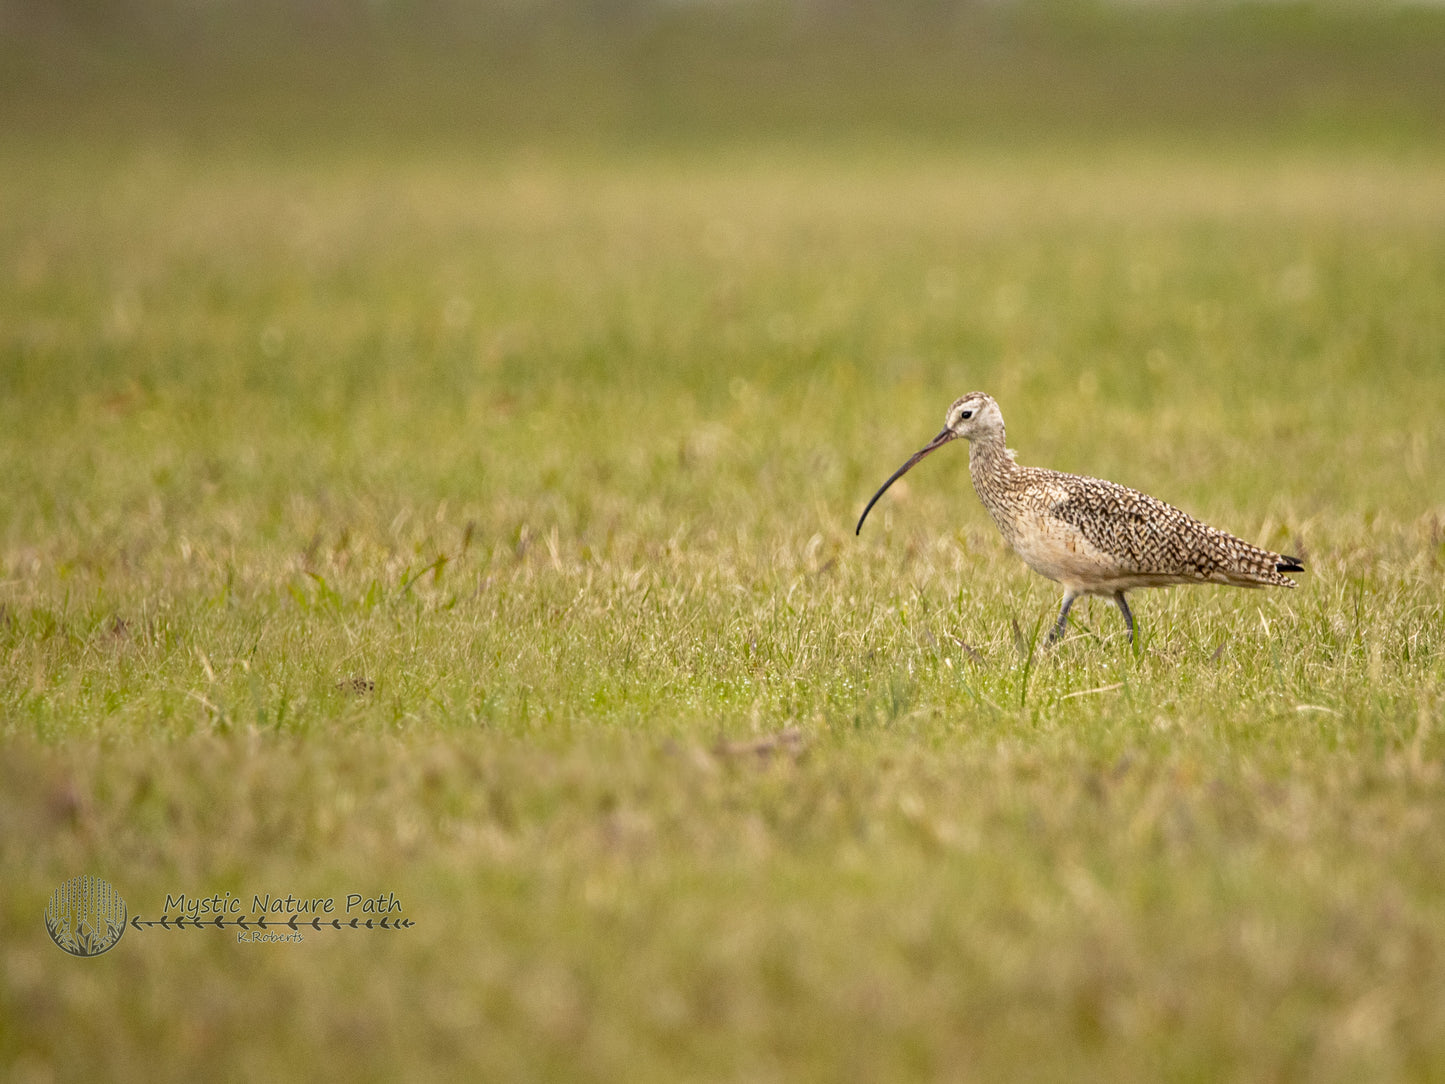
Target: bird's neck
<point>991,467</point>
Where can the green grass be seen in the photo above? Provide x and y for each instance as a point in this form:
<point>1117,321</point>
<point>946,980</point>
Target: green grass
<point>477,525</point>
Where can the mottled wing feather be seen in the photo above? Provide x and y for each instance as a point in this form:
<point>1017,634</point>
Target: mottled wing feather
<point>1151,538</point>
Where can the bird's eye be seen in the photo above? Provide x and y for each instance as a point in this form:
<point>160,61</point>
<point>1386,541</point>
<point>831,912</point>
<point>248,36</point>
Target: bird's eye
<point>966,414</point>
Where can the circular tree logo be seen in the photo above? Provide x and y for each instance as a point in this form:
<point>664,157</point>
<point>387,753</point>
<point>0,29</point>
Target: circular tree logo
<point>85,916</point>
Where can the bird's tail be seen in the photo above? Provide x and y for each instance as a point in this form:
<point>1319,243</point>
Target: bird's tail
<point>1289,564</point>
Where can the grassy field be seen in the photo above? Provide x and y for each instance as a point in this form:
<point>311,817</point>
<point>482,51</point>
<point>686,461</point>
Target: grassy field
<point>475,523</point>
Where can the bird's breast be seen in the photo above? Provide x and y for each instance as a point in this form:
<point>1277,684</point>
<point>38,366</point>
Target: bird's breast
<point>1060,551</point>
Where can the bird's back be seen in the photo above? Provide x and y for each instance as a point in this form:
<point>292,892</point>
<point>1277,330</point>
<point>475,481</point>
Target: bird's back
<point>1098,536</point>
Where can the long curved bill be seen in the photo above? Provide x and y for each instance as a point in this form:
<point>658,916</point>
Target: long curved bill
<point>932,446</point>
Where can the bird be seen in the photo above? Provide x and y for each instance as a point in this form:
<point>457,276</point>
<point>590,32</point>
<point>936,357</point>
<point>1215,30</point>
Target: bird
<point>1093,537</point>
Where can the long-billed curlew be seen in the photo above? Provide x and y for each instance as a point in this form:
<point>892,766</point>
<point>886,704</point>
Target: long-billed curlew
<point>1092,536</point>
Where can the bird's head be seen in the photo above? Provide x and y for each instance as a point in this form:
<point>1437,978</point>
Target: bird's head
<point>972,416</point>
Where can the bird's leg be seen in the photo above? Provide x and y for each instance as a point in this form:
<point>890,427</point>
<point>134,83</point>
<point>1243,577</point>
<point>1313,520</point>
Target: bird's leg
<point>1124,609</point>
<point>1063,621</point>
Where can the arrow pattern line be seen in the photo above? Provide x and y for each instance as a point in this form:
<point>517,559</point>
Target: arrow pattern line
<point>296,922</point>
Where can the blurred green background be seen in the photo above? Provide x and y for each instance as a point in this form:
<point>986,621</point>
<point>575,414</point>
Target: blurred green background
<point>641,73</point>
<point>430,442</point>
